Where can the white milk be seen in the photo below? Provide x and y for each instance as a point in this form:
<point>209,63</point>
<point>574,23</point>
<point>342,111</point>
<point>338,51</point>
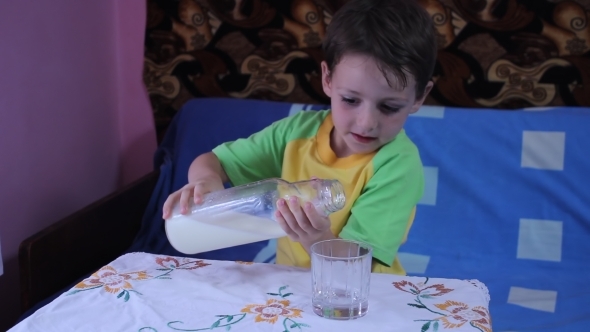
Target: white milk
<point>190,235</point>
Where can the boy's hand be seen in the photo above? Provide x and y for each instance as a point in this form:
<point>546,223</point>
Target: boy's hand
<point>302,222</point>
<point>195,189</point>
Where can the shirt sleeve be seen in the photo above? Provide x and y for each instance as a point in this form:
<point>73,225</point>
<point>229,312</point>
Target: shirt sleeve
<point>261,155</point>
<point>382,214</point>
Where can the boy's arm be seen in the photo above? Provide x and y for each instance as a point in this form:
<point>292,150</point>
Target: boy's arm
<point>206,165</point>
<point>382,214</point>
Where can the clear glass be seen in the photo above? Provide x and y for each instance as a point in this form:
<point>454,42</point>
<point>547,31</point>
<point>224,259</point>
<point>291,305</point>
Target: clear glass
<point>341,278</point>
<point>246,214</point>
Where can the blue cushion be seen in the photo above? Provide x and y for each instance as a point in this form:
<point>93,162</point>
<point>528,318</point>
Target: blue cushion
<point>507,202</point>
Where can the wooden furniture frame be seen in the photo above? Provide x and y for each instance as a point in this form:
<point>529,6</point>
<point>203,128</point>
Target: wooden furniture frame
<point>83,242</point>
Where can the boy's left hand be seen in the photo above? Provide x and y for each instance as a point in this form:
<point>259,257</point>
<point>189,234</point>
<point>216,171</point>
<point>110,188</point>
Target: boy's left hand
<point>302,222</point>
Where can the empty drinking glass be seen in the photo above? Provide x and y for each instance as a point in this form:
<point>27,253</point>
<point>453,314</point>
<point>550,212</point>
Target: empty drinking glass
<point>341,275</point>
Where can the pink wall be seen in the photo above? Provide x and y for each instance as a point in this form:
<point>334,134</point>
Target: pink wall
<point>75,121</point>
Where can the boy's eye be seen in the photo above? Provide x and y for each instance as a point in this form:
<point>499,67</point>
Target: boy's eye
<point>349,101</point>
<point>386,109</point>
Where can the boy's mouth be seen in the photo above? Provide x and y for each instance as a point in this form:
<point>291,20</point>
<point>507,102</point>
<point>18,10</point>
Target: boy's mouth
<point>363,139</point>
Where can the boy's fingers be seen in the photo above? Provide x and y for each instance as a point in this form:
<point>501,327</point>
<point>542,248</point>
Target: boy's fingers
<point>301,217</point>
<point>184,197</point>
<point>197,198</point>
<point>290,219</point>
<point>166,209</point>
<point>316,220</point>
<point>283,223</point>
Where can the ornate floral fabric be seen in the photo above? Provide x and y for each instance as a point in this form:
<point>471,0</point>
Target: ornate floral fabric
<point>502,54</point>
<point>143,292</point>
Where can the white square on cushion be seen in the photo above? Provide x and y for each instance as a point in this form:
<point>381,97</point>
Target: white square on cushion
<point>430,186</point>
<point>413,263</point>
<point>425,111</point>
<point>296,108</point>
<point>543,150</point>
<point>540,239</point>
<point>542,300</point>
<point>268,253</point>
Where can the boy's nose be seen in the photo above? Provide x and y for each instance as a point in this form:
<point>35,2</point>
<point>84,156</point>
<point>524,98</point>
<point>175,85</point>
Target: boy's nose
<point>367,121</point>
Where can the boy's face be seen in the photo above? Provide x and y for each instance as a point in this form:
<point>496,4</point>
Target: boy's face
<point>367,112</point>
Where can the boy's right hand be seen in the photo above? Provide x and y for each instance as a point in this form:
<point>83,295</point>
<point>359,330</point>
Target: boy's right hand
<point>195,189</point>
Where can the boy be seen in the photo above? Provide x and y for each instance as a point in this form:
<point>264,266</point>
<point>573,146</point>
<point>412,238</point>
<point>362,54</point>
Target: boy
<point>379,58</point>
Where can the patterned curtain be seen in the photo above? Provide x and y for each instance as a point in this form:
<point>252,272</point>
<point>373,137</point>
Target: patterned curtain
<point>502,54</point>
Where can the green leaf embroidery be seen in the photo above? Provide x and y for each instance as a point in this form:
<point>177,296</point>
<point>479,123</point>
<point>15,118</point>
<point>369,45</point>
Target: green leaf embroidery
<point>216,324</point>
<point>435,326</point>
<point>425,327</point>
<point>121,294</point>
<point>420,306</point>
<point>287,294</point>
<point>126,296</point>
<point>273,294</point>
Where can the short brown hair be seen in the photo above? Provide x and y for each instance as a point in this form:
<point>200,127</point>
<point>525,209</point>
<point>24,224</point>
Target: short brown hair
<point>398,34</point>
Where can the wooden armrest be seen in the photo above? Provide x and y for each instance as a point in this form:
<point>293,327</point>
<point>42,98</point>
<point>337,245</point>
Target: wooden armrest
<point>82,242</point>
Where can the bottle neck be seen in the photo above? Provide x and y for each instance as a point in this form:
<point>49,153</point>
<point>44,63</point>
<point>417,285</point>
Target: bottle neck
<point>326,195</point>
<point>331,195</point>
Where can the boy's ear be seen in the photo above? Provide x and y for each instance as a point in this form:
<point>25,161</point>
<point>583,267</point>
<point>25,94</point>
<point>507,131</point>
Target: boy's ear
<point>326,79</point>
<point>420,101</point>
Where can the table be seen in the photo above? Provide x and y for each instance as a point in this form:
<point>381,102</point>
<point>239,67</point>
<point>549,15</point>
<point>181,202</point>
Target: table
<point>143,292</point>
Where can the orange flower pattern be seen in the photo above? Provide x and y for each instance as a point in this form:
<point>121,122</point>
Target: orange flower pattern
<point>111,281</point>
<point>434,290</point>
<point>171,263</point>
<point>245,263</point>
<point>460,313</point>
<point>271,311</point>
<point>454,314</point>
<point>114,282</point>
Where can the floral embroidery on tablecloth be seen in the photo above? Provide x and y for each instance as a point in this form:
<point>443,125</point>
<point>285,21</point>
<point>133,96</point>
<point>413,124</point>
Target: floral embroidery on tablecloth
<point>460,313</point>
<point>170,264</point>
<point>111,281</point>
<point>244,263</point>
<point>450,314</point>
<point>114,282</point>
<point>270,312</point>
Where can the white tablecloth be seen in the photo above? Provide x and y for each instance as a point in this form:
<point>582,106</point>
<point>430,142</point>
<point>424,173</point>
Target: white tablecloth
<point>142,292</point>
